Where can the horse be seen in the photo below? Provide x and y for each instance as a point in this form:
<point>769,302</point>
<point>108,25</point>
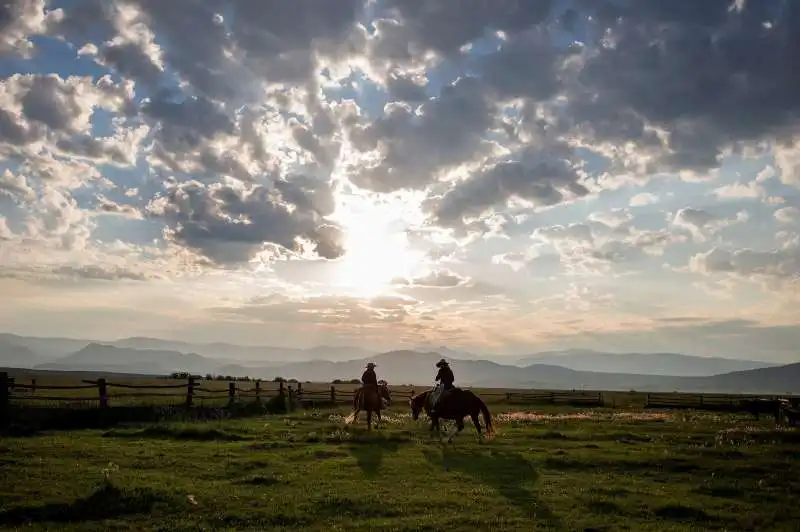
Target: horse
<point>758,406</point>
<point>454,405</point>
<point>371,402</point>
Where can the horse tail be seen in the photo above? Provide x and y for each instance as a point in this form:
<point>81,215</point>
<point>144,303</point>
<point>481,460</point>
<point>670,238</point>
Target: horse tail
<point>349,420</point>
<point>487,417</point>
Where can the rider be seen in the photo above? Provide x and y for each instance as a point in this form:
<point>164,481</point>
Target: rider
<point>369,378</point>
<point>446,377</point>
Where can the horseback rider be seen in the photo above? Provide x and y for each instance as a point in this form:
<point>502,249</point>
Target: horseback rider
<point>369,378</point>
<point>446,377</point>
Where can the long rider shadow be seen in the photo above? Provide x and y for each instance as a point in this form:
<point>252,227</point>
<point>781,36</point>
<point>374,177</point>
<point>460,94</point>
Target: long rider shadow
<point>505,472</point>
<point>369,450</point>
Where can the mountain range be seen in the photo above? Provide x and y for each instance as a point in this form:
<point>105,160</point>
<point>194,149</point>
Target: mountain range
<point>570,369</point>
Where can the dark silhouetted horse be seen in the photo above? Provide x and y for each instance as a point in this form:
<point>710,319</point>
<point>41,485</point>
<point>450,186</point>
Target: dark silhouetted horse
<point>370,399</point>
<point>758,406</point>
<point>454,404</point>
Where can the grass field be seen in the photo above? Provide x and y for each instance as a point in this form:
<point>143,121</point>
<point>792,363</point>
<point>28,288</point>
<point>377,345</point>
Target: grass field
<point>559,469</point>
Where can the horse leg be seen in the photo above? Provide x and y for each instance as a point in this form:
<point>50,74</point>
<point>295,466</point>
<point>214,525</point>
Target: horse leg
<point>435,424</point>
<point>369,420</point>
<point>459,428</point>
<point>477,422</point>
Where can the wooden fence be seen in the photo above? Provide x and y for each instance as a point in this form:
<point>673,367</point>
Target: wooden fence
<point>194,390</point>
<point>704,401</point>
<point>187,393</point>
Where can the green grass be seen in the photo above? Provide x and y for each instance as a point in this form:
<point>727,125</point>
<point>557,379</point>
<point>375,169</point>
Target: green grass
<point>569,470</point>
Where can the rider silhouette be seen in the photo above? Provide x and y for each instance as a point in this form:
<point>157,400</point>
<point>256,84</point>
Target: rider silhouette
<point>369,378</point>
<point>446,377</point>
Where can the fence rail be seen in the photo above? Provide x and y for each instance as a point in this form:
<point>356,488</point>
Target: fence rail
<point>192,391</point>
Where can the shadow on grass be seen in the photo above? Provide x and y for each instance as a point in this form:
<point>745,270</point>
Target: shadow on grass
<point>369,450</point>
<point>184,434</point>
<point>504,472</point>
<point>679,512</point>
<point>106,503</point>
<point>28,420</point>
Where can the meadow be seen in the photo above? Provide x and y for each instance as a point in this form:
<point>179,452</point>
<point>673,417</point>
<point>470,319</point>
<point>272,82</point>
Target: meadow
<point>547,468</point>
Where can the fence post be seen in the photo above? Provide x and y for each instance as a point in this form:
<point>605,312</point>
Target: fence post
<point>412,393</point>
<point>258,391</point>
<point>281,391</point>
<point>190,392</point>
<point>231,393</point>
<point>299,389</point>
<point>290,399</point>
<point>33,386</point>
<point>5,393</point>
<point>333,394</point>
<point>102,392</point>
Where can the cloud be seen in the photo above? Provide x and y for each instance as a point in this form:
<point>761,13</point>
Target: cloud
<point>437,278</point>
<point>149,140</point>
<point>413,147</point>
<point>541,183</point>
<point>702,224</point>
<point>642,199</point>
<point>19,21</point>
<point>781,264</point>
<point>787,215</point>
<point>740,191</point>
<point>231,225</point>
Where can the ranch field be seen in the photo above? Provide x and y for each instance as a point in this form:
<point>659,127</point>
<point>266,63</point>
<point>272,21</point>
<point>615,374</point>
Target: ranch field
<point>547,468</point>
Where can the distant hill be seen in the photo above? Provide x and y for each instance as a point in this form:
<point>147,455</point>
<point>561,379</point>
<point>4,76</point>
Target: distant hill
<point>16,355</point>
<point>773,380</point>
<point>411,367</point>
<point>45,348</point>
<point>664,364</point>
<point>244,353</point>
<point>100,357</point>
<point>559,369</point>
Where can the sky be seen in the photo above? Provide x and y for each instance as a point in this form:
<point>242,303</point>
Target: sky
<point>496,176</point>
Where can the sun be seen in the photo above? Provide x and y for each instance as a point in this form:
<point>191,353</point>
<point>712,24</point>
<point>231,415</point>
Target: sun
<point>377,248</point>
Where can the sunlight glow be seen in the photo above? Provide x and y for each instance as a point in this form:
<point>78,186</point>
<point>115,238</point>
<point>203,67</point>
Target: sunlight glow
<point>377,246</point>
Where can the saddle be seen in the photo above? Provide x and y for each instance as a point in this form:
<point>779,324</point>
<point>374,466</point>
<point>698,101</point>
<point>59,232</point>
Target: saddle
<point>439,392</point>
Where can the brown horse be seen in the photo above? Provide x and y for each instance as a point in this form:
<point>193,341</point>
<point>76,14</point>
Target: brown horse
<point>455,405</point>
<point>370,399</point>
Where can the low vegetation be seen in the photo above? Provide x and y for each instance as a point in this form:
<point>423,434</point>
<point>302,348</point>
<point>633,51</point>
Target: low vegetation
<point>552,468</point>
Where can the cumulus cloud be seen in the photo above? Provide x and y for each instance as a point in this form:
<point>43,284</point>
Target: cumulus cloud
<point>781,264</point>
<point>231,225</point>
<point>644,198</point>
<point>702,224</point>
<point>788,215</point>
<point>541,183</point>
<point>438,278</point>
<point>585,249</point>
<point>750,190</point>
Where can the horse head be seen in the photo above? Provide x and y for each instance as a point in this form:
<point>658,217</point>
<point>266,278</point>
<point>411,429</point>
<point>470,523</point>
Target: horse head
<point>383,391</point>
<point>417,402</point>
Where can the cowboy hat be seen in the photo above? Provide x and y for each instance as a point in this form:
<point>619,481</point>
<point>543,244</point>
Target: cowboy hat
<point>441,363</point>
